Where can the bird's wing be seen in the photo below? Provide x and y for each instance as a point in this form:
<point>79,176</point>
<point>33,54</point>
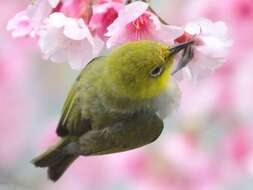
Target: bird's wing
<point>134,131</point>
<point>71,121</point>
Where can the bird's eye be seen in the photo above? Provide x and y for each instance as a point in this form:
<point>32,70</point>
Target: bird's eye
<point>157,71</point>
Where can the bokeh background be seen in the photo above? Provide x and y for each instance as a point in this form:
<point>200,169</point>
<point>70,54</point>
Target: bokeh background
<point>207,143</point>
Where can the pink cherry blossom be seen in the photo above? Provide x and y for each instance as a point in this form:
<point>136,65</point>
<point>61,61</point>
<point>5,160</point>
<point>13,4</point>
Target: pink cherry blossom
<point>135,22</point>
<point>29,21</point>
<point>77,9</point>
<point>210,48</point>
<point>66,39</point>
<point>20,25</point>
<point>103,15</point>
<point>108,1</point>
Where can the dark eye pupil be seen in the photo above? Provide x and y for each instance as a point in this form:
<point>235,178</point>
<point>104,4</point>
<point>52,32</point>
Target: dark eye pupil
<point>156,71</point>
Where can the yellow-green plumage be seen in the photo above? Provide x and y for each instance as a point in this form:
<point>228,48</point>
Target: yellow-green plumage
<point>114,105</point>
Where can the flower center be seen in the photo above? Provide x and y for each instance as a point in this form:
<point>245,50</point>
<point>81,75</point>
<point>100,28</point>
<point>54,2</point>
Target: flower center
<point>110,15</point>
<point>58,7</point>
<point>184,38</point>
<point>187,37</point>
<point>140,23</point>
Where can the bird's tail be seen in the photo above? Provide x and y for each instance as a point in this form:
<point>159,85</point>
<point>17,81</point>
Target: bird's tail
<point>55,159</point>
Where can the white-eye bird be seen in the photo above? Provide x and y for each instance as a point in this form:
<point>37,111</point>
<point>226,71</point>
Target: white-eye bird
<point>117,103</point>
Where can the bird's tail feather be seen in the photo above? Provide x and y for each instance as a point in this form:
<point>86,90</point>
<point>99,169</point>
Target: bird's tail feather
<point>55,159</point>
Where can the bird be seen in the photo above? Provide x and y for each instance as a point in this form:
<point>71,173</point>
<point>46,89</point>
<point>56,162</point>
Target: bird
<point>117,103</point>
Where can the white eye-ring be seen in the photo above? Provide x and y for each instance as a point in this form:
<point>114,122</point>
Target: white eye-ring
<point>157,71</point>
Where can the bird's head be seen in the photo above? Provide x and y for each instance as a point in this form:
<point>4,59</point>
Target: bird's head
<point>142,69</point>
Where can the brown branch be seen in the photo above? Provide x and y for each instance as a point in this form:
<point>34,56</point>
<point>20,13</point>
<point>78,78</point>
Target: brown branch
<point>160,18</point>
<point>155,13</point>
<point>128,2</point>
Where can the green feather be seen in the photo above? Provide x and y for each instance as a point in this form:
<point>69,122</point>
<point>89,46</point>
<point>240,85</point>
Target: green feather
<point>113,105</point>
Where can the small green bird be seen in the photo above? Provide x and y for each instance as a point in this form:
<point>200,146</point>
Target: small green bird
<point>116,104</point>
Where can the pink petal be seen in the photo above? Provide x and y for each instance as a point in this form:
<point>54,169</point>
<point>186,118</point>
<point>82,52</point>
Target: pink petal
<point>68,40</point>
<point>132,11</point>
<point>193,28</point>
<point>116,39</point>
<point>20,25</point>
<point>156,21</point>
<point>146,27</point>
<point>76,29</point>
<point>220,29</point>
<point>30,21</point>
<point>103,16</point>
<point>214,47</point>
<point>97,9</point>
<point>211,28</point>
<point>98,46</point>
<point>169,33</point>
<point>57,20</point>
<point>54,3</point>
<point>143,28</point>
<point>39,11</point>
<point>80,54</point>
<point>77,9</point>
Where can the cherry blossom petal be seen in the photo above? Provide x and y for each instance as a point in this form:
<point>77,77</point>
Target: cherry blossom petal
<point>30,21</point>
<point>101,8</point>
<point>77,9</point>
<point>193,28</point>
<point>103,16</point>
<point>79,54</point>
<point>132,11</point>
<point>143,25</point>
<point>77,30</point>
<point>57,20</point>
<point>98,46</point>
<point>211,45</point>
<point>54,3</point>
<point>214,47</point>
<point>109,1</point>
<point>71,43</point>
<point>168,33</point>
<point>20,25</point>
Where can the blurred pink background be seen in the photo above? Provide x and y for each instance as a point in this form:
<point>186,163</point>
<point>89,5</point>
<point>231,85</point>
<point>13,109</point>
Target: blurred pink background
<point>207,143</point>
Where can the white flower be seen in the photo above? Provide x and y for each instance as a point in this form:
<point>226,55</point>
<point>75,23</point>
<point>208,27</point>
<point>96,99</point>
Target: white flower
<point>210,49</point>
<point>66,39</point>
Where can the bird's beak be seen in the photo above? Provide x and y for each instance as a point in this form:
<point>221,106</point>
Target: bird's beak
<point>186,56</point>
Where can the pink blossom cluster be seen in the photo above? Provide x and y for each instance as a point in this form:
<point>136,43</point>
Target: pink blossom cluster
<point>206,145</point>
<point>76,31</point>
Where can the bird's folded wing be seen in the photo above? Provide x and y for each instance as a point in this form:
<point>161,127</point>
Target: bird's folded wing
<point>72,123</point>
<point>133,132</point>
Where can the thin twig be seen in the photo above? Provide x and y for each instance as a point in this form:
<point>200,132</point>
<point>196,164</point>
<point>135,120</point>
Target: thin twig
<point>128,2</point>
<point>155,13</point>
<point>160,18</point>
